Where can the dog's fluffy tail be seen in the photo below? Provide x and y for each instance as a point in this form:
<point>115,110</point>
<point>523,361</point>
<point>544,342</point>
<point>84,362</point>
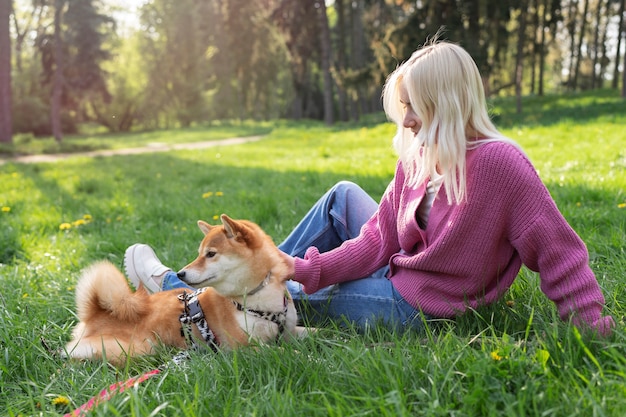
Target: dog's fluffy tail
<point>102,287</point>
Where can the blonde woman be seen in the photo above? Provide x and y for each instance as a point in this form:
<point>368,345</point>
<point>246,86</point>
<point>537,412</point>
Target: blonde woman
<point>464,211</point>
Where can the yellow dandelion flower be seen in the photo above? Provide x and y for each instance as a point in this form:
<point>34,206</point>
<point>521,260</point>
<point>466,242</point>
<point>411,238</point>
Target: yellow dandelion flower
<point>495,355</point>
<point>61,400</point>
<point>65,226</point>
<point>215,217</point>
<point>621,205</point>
<point>79,222</point>
<point>219,193</point>
<point>6,209</point>
<point>25,295</point>
<point>87,217</point>
<point>207,194</point>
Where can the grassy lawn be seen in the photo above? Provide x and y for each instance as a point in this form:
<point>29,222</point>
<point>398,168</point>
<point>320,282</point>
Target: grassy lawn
<point>26,144</point>
<point>514,358</point>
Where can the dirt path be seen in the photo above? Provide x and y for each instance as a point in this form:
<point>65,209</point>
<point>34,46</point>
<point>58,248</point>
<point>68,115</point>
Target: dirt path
<point>150,148</point>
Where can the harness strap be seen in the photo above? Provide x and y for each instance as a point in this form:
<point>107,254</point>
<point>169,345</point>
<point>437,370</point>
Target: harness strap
<point>278,318</point>
<point>193,314</point>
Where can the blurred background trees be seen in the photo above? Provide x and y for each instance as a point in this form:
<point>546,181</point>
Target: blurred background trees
<point>74,63</point>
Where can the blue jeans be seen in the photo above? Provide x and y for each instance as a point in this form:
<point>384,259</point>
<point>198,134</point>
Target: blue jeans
<point>336,217</point>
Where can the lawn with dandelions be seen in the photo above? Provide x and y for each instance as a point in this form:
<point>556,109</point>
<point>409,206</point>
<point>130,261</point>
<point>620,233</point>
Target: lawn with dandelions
<point>512,358</point>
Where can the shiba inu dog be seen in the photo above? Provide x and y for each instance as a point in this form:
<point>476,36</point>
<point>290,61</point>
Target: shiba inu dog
<point>244,300</point>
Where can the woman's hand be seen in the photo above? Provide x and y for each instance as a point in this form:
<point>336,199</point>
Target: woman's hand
<point>291,268</point>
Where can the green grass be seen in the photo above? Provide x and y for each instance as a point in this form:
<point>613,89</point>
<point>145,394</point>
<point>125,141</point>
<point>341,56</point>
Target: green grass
<point>514,358</point>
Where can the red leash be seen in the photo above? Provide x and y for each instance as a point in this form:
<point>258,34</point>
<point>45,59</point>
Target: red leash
<point>113,389</point>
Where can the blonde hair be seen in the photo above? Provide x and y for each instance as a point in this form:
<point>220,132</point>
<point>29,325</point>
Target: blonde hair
<point>446,92</point>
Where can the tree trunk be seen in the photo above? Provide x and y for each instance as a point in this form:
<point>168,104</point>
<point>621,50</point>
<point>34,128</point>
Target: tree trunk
<point>572,14</point>
<point>604,58</point>
<point>519,60</point>
<point>6,124</point>
<point>624,75</point>
<point>579,48</point>
<point>341,59</point>
<point>542,47</point>
<point>358,56</point>
<point>620,34</point>
<point>535,48</point>
<point>57,83</point>
<point>596,81</point>
<point>325,58</point>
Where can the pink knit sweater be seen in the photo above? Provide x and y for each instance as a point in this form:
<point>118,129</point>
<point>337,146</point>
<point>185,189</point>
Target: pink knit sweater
<point>470,253</point>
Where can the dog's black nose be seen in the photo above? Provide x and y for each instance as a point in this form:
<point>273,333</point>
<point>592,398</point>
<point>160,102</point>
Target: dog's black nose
<point>180,274</point>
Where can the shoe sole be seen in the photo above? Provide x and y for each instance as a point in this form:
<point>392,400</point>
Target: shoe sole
<point>132,274</point>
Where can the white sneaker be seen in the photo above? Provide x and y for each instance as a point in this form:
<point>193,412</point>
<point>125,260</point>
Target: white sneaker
<point>143,267</point>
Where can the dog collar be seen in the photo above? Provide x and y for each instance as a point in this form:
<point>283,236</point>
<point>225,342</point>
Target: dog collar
<point>193,314</point>
<point>261,285</point>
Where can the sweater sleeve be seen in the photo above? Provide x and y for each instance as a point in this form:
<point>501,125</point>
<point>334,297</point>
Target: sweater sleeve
<point>358,257</point>
<point>547,244</point>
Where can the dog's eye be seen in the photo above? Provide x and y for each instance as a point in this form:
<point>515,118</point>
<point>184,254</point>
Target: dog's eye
<point>211,254</point>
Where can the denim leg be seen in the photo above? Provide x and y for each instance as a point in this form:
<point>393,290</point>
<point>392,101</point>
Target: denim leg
<point>363,302</point>
<point>171,281</point>
<point>337,216</point>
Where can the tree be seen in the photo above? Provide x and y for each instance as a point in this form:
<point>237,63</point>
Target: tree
<point>6,125</point>
<point>86,32</point>
<point>175,48</point>
<point>58,78</point>
<point>71,60</point>
<point>623,77</point>
<point>550,15</point>
<point>298,29</point>
<point>127,85</point>
<point>620,35</point>
<point>325,60</point>
<point>340,63</point>
<point>519,57</point>
<point>579,47</point>
<point>596,78</point>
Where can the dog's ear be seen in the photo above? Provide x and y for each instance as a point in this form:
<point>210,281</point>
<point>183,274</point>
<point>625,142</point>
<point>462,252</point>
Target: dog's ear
<point>204,226</point>
<point>235,229</point>
<point>230,226</point>
<point>242,231</point>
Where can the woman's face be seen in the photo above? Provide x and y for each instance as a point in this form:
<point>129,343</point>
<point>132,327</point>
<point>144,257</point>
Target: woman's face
<point>410,120</point>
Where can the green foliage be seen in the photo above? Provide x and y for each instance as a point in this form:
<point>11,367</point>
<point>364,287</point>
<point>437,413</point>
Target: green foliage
<point>514,357</point>
<point>86,32</point>
<point>31,114</point>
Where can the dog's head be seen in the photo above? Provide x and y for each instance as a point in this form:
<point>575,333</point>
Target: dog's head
<point>234,257</point>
